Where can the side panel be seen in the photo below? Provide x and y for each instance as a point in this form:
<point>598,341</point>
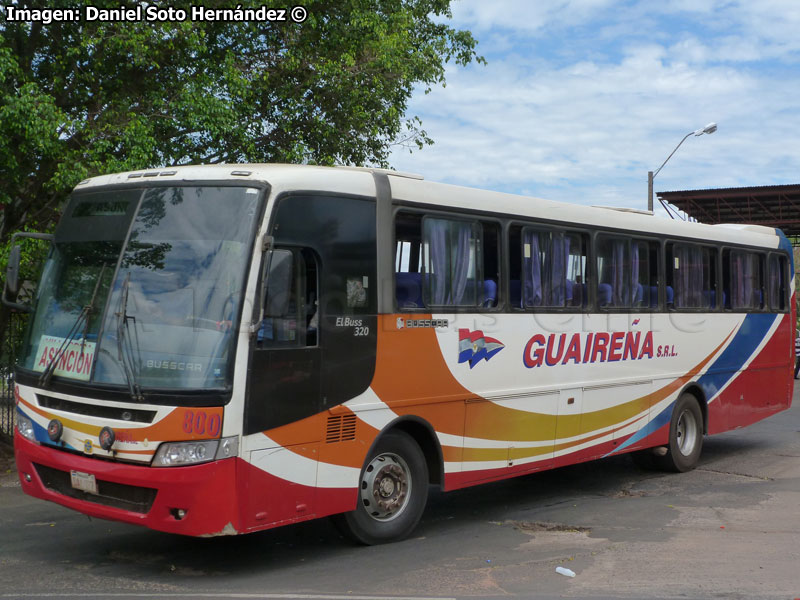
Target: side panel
<point>565,389</point>
<point>609,387</point>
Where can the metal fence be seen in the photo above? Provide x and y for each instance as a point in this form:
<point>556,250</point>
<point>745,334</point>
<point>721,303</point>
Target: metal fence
<point>7,411</point>
<point>8,354</point>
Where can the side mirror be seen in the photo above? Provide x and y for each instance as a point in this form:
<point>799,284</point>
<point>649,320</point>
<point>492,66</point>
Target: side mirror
<point>12,274</point>
<point>11,288</point>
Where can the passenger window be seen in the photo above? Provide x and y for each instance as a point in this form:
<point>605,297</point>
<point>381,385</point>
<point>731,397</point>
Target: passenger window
<point>446,262</point>
<point>627,271</point>
<point>691,277</point>
<point>290,307</point>
<point>551,268</point>
<point>408,261</point>
<point>743,281</point>
<point>777,282</point>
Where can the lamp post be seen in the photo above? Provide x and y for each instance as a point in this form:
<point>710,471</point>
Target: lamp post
<point>709,129</point>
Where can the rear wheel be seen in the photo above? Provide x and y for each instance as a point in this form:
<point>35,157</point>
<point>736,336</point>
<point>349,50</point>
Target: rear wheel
<point>393,490</point>
<point>685,436</point>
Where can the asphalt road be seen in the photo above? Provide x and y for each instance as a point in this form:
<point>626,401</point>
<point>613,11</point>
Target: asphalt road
<point>729,529</point>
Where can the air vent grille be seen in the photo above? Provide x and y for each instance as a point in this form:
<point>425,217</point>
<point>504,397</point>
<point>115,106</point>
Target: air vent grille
<point>341,428</point>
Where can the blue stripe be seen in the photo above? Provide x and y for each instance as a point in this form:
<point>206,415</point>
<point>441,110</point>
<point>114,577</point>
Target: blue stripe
<point>654,425</point>
<point>41,435</point>
<point>752,332</point>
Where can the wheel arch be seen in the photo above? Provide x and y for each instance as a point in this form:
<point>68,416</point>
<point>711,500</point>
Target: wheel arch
<point>425,436</point>
<point>695,390</point>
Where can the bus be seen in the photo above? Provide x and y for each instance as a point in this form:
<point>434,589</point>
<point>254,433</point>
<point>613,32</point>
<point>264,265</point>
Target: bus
<point>222,349</point>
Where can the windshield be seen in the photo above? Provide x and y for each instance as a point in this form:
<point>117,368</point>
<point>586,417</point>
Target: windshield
<point>158,274</point>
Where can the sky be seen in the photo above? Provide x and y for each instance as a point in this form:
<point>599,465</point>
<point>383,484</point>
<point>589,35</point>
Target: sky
<point>579,99</point>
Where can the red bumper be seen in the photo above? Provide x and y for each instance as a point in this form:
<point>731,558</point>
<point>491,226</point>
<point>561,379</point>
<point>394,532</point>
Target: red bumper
<point>136,494</point>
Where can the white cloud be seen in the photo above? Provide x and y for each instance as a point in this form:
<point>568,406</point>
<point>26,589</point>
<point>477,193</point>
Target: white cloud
<point>526,16</point>
<point>586,114</point>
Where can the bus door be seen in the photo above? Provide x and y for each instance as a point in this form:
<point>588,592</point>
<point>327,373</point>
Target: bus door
<point>286,363</point>
<point>315,348</point>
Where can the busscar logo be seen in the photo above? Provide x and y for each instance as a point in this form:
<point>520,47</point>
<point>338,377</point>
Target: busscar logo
<point>473,347</point>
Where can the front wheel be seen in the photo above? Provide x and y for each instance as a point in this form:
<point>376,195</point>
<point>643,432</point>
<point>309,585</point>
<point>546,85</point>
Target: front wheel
<point>393,490</point>
<point>685,436</point>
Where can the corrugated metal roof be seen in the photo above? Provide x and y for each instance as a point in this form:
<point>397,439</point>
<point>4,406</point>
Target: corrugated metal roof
<point>767,205</point>
<point>766,188</point>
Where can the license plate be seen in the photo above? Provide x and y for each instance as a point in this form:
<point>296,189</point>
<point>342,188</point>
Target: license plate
<point>83,481</point>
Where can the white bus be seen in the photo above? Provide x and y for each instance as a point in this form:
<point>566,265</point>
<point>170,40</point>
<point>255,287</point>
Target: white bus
<point>225,349</point>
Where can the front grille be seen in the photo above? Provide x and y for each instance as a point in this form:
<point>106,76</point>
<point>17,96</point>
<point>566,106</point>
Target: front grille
<point>127,497</point>
<point>96,410</point>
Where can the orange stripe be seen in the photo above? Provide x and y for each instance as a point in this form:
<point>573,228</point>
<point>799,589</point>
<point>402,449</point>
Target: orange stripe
<point>180,424</point>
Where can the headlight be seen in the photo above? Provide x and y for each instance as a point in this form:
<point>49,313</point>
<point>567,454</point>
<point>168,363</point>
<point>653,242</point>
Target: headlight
<point>25,427</point>
<point>176,454</point>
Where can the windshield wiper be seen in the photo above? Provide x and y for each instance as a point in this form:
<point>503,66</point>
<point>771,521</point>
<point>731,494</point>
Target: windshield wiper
<point>83,318</point>
<point>125,353</point>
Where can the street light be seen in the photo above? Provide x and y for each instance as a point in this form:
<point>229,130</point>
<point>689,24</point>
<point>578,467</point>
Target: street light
<point>709,129</point>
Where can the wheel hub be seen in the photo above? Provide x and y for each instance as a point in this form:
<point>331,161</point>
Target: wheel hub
<point>385,487</point>
<point>686,433</point>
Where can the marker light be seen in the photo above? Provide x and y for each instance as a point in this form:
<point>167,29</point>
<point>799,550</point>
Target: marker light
<point>25,427</point>
<point>176,454</point>
<point>55,430</point>
<point>228,447</point>
<point>107,438</point>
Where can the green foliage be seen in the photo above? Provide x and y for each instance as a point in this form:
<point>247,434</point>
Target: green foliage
<point>81,99</point>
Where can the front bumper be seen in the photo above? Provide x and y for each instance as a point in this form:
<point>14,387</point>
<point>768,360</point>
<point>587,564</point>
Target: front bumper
<point>198,500</point>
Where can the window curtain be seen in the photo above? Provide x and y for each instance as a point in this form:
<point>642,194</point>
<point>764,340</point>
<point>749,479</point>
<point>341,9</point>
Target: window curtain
<point>450,247</point>
<point>532,269</point>
<point>690,277</point>
<point>438,268</point>
<point>619,289</point>
<point>775,289</point>
<point>681,276</point>
<point>697,278</point>
<point>461,237</point>
<point>634,297</point>
<point>544,263</point>
<point>742,273</point>
<point>558,275</point>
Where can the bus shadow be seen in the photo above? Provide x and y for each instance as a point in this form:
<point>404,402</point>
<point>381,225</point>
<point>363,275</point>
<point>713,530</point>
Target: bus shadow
<point>316,542</point>
<point>158,556</point>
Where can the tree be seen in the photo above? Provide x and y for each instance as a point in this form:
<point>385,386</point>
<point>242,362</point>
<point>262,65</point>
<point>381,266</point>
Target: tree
<point>81,98</point>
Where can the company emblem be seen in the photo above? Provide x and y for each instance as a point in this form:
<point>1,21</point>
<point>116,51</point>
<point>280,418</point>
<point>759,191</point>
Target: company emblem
<point>107,438</point>
<point>473,347</point>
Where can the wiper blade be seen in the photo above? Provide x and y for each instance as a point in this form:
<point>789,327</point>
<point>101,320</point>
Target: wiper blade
<point>125,352</point>
<point>83,318</point>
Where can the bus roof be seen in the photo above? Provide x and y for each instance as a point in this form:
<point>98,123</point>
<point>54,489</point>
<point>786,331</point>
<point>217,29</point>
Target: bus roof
<point>410,188</point>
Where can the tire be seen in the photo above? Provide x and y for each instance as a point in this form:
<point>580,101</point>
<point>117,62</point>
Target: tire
<point>393,490</point>
<point>685,437</point>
